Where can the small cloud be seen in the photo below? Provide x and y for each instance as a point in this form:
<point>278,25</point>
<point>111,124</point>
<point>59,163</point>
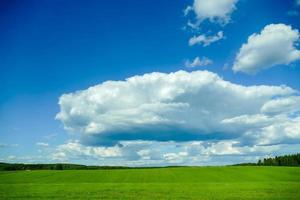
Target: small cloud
<point>59,156</point>
<point>197,62</point>
<point>205,40</point>
<point>175,157</point>
<point>42,144</point>
<point>11,157</point>
<point>215,11</point>
<point>187,10</point>
<point>275,45</point>
<point>193,25</point>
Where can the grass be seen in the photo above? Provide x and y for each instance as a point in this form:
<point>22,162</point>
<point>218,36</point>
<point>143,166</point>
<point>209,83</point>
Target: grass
<point>211,183</point>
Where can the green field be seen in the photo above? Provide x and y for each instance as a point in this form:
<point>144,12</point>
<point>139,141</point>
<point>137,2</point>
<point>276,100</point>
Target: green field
<point>156,183</point>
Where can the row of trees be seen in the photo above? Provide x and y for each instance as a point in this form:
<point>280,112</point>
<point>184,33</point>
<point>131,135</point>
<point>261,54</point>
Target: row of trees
<point>58,166</point>
<point>287,160</point>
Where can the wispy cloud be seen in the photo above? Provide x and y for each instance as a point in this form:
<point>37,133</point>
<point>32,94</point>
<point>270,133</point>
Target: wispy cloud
<point>42,144</point>
<point>205,40</point>
<point>198,62</point>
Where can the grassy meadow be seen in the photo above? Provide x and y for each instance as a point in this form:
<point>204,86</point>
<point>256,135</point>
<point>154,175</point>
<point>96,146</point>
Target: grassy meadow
<point>211,183</point>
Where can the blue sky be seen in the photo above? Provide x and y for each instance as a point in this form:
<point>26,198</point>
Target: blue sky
<point>51,48</point>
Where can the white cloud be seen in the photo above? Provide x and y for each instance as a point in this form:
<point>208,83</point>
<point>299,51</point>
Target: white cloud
<point>153,153</point>
<point>220,148</point>
<point>179,106</point>
<point>205,40</point>
<point>187,10</point>
<point>156,153</point>
<point>281,130</point>
<point>42,144</point>
<point>132,152</point>
<point>75,150</point>
<point>175,157</point>
<point>267,130</point>
<point>282,105</point>
<point>197,62</point>
<point>275,45</point>
<point>11,157</point>
<point>248,121</point>
<point>213,10</point>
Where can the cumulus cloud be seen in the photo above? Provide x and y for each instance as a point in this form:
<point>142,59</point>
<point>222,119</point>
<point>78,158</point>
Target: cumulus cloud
<point>274,45</point>
<point>125,152</point>
<point>181,106</point>
<point>154,153</point>
<point>213,10</point>
<point>75,150</point>
<point>282,105</point>
<point>205,40</point>
<point>267,130</point>
<point>197,62</point>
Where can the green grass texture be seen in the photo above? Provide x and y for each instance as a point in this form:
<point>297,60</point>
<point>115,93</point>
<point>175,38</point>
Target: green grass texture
<point>207,183</point>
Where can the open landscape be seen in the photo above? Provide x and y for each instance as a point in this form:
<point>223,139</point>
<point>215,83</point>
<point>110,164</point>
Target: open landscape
<point>150,100</point>
<point>207,183</point>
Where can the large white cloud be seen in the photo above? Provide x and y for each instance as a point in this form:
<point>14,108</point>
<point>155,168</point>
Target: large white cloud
<point>212,10</point>
<point>180,106</point>
<point>274,45</point>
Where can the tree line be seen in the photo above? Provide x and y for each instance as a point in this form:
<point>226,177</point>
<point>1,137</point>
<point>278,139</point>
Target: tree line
<point>57,166</point>
<point>63,166</point>
<point>286,160</point>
